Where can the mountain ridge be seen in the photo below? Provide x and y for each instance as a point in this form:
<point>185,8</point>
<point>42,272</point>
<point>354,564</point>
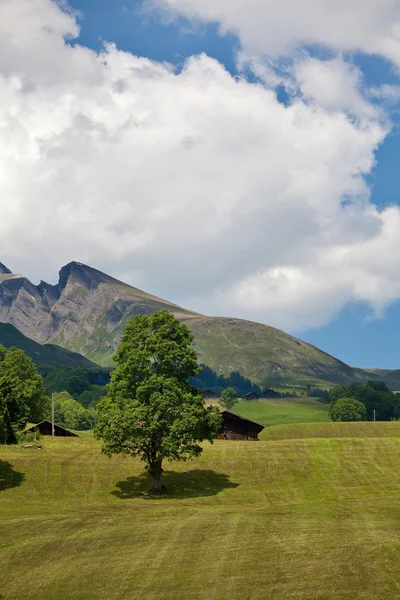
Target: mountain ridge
<point>86,312</point>
<point>46,356</point>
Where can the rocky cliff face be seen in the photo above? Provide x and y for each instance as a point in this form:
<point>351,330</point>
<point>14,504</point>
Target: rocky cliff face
<point>87,310</point>
<point>4,270</point>
<point>84,312</point>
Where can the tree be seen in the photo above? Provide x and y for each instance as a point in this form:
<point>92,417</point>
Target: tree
<point>374,395</point>
<point>69,413</point>
<point>22,394</point>
<point>348,409</point>
<point>151,409</point>
<point>92,396</point>
<point>207,378</point>
<point>378,386</point>
<point>337,392</point>
<point>74,380</point>
<point>228,398</point>
<point>3,429</point>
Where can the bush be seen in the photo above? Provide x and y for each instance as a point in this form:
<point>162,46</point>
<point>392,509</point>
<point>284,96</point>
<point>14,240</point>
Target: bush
<point>29,436</point>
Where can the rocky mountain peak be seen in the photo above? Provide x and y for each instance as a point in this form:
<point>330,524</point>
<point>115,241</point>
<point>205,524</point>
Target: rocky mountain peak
<point>80,273</point>
<point>4,270</point>
<point>84,275</point>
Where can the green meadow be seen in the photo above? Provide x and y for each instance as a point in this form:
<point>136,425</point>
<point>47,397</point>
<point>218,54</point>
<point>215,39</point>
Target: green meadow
<point>285,518</point>
<point>283,411</point>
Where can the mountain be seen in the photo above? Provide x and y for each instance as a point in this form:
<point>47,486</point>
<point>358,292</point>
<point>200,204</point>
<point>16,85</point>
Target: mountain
<point>46,356</point>
<point>87,310</point>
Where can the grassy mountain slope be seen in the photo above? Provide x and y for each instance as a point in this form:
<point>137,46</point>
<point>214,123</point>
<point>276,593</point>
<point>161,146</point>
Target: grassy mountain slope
<point>46,356</point>
<point>299,519</point>
<point>265,354</point>
<point>87,311</point>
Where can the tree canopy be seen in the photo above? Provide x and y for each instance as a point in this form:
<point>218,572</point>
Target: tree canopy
<point>89,398</point>
<point>22,394</point>
<point>70,414</point>
<point>74,381</point>
<point>374,395</point>
<point>228,398</point>
<point>348,409</point>
<point>151,410</point>
<point>207,378</point>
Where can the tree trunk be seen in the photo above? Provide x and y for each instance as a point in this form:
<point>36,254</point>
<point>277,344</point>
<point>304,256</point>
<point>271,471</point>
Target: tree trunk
<point>155,474</point>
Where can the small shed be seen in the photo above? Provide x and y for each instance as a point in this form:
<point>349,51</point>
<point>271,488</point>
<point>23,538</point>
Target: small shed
<point>269,393</point>
<point>251,396</point>
<point>235,427</point>
<point>45,428</point>
<point>209,394</point>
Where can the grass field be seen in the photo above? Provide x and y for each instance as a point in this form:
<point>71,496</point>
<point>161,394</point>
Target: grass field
<point>331,430</point>
<point>287,519</point>
<point>283,411</point>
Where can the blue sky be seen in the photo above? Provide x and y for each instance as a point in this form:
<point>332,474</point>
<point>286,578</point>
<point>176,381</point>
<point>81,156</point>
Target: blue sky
<point>351,336</point>
<point>258,181</point>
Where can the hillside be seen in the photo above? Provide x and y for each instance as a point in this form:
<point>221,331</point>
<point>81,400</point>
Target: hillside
<point>87,310</point>
<point>293,519</point>
<point>46,356</point>
<point>283,411</point>
<point>365,429</point>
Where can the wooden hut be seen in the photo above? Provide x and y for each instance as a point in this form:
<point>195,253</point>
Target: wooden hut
<point>45,428</point>
<point>209,394</point>
<point>235,427</point>
<point>269,393</point>
<point>251,396</point>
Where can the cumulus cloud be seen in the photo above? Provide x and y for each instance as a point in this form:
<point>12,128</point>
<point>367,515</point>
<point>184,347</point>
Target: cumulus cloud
<point>333,85</point>
<point>192,184</point>
<point>277,27</point>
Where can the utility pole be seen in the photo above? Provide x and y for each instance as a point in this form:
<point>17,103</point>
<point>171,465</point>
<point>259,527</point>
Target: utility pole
<point>52,415</point>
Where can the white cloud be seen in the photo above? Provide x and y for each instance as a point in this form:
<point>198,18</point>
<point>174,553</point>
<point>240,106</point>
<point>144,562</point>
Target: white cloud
<point>333,85</point>
<point>277,27</point>
<point>195,185</point>
<point>386,93</point>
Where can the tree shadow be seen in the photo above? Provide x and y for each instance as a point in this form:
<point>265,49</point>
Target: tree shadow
<point>8,477</point>
<point>191,484</point>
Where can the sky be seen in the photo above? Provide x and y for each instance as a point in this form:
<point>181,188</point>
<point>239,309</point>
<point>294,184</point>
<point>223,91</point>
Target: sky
<point>237,158</point>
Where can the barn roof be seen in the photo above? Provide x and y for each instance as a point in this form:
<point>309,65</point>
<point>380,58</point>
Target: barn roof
<point>229,412</point>
<point>56,427</point>
<point>251,394</point>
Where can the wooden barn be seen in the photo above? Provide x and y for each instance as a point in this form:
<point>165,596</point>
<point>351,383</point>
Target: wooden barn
<point>209,394</point>
<point>270,393</point>
<point>251,396</point>
<point>235,427</point>
<point>45,428</point>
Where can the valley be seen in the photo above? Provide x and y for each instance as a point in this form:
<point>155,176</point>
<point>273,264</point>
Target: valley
<point>280,518</point>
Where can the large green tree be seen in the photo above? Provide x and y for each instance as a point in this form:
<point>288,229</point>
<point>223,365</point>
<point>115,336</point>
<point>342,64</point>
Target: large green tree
<point>348,409</point>
<point>22,394</point>
<point>151,410</point>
